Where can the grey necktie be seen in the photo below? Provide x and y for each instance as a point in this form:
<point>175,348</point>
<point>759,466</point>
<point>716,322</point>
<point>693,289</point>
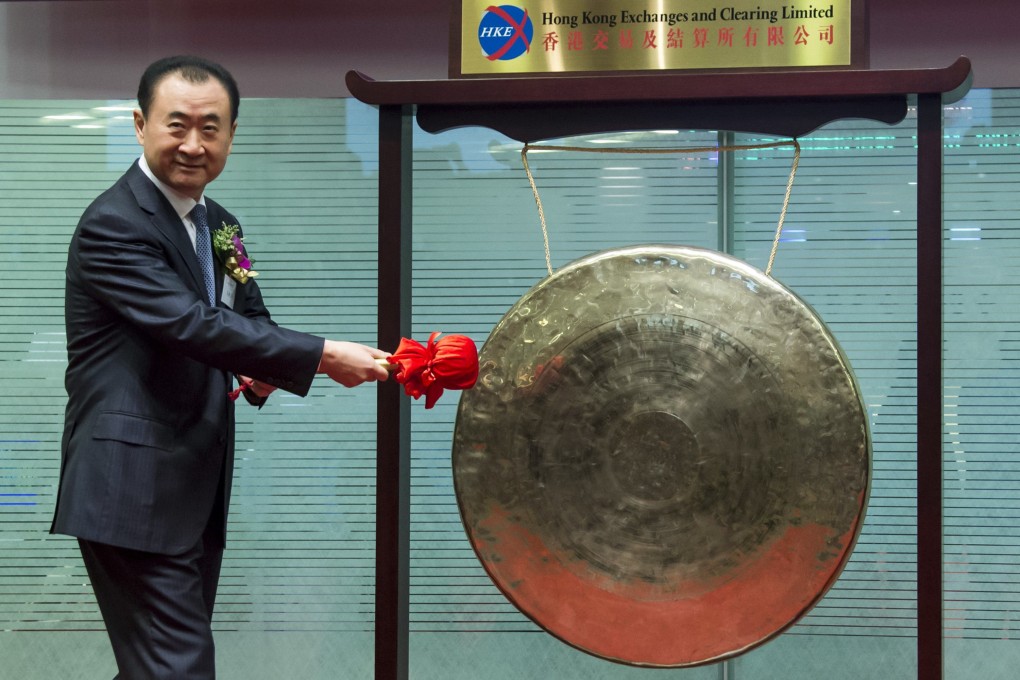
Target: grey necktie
<point>203,248</point>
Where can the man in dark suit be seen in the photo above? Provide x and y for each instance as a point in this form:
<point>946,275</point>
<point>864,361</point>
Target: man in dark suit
<point>153,338</point>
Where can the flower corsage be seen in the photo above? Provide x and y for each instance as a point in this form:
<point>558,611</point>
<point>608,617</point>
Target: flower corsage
<point>230,251</point>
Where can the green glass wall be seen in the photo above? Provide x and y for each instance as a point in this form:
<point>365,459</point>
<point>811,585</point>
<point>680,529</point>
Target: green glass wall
<point>297,593</point>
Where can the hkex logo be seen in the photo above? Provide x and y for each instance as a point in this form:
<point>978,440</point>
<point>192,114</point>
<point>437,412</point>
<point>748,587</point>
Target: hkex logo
<point>505,32</point>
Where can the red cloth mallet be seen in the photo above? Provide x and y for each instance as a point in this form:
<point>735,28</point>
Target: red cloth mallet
<point>450,363</point>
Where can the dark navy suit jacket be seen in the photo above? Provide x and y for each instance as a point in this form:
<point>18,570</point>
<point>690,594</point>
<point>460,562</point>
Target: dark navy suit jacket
<point>149,432</point>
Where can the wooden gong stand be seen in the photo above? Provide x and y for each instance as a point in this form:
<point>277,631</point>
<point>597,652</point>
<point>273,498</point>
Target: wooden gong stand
<point>789,104</point>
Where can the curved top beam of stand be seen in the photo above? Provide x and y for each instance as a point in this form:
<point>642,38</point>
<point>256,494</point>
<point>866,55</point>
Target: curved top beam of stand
<point>789,103</point>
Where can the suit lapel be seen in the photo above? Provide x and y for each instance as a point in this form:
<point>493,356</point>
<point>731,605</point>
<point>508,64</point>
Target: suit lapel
<point>166,220</point>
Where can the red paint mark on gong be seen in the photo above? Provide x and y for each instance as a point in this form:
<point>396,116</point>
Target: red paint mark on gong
<point>695,622</point>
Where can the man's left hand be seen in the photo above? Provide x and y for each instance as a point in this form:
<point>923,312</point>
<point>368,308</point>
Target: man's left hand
<point>259,389</point>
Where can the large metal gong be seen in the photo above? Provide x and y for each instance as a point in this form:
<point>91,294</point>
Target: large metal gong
<point>666,458</point>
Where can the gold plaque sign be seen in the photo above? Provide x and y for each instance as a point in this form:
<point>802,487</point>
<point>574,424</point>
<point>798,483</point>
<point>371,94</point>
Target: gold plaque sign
<point>563,36</point>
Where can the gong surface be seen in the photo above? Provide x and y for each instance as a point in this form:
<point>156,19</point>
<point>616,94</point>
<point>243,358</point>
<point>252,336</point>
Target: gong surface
<point>665,460</point>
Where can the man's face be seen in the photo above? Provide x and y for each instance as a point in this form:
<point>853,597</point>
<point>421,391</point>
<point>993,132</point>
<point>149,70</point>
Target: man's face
<point>187,135</point>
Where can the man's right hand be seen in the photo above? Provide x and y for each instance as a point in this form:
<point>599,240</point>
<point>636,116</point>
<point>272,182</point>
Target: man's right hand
<point>351,364</point>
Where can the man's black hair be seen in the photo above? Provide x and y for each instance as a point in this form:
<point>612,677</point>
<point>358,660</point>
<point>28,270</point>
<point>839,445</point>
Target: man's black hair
<point>192,69</point>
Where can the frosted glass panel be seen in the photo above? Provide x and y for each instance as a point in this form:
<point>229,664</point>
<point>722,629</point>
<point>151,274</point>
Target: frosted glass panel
<point>297,591</point>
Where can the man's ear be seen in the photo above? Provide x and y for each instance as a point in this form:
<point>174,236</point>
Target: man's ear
<point>230,144</point>
<point>139,126</point>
